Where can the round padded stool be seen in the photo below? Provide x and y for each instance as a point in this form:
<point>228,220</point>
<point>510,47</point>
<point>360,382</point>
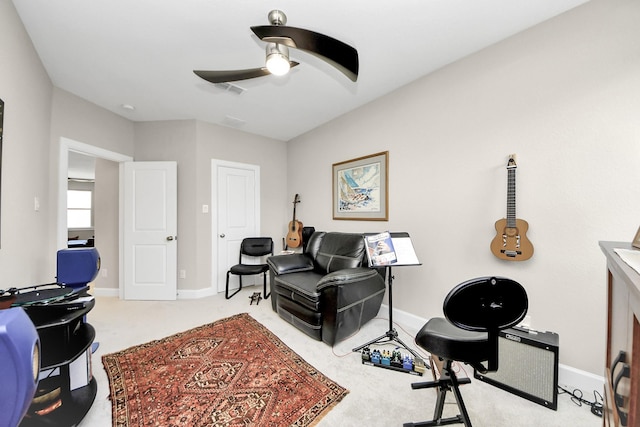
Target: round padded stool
<point>439,337</point>
<point>475,312</point>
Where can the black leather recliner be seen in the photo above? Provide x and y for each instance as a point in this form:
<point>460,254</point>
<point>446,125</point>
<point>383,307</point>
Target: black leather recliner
<point>328,292</point>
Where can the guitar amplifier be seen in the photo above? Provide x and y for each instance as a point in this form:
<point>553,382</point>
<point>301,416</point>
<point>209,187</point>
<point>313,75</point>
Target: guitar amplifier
<point>527,366</point>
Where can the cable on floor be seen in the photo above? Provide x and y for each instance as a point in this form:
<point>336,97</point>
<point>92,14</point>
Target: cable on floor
<point>578,399</point>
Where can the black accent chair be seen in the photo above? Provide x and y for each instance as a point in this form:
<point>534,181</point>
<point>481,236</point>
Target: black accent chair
<point>307,232</point>
<point>328,291</point>
<point>476,311</point>
<point>252,247</point>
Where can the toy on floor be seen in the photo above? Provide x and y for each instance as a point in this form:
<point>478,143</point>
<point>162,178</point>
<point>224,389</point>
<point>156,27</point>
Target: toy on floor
<point>255,297</point>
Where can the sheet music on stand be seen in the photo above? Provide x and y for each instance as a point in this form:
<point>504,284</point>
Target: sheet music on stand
<point>404,255</point>
<point>405,252</point>
<point>390,249</point>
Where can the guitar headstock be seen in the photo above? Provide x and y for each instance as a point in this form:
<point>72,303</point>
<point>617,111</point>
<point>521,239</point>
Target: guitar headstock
<point>296,199</point>
<point>511,163</point>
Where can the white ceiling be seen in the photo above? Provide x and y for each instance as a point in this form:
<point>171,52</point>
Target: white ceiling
<point>142,53</point>
<point>81,166</point>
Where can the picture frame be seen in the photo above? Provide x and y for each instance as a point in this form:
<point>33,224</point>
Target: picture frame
<point>636,240</point>
<point>361,188</point>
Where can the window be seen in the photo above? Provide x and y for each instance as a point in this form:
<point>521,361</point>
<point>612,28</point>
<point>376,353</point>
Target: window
<point>79,209</point>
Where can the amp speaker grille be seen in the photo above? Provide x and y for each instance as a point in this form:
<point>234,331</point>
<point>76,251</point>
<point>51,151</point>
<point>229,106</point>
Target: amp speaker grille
<point>527,366</point>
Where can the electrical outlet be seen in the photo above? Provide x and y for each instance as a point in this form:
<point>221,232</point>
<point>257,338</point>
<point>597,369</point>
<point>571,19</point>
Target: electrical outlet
<point>182,274</point>
<point>104,272</point>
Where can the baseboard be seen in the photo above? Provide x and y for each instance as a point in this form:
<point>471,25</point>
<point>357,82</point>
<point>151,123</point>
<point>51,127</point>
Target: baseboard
<point>410,322</point>
<point>568,377</point>
<point>105,292</point>
<point>572,378</point>
<point>196,293</point>
<point>182,293</point>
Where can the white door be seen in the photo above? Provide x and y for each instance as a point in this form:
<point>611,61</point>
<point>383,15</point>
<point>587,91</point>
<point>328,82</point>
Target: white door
<point>236,215</point>
<point>150,228</point>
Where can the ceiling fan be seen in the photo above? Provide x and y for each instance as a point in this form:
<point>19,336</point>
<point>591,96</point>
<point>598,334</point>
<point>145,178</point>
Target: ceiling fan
<point>280,38</point>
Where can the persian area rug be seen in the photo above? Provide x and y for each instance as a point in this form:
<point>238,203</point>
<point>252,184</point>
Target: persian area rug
<point>233,372</point>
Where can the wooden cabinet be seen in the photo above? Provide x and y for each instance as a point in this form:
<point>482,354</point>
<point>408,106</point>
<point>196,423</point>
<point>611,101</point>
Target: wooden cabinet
<point>622,370</point>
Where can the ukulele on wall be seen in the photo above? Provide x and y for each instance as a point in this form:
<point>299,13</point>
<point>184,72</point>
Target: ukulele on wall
<point>511,242</point>
<point>294,235</point>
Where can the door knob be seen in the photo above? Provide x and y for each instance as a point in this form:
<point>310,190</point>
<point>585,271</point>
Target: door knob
<point>169,238</point>
<point>222,236</point>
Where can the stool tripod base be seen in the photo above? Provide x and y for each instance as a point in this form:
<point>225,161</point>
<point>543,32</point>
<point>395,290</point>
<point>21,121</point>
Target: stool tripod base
<point>448,382</point>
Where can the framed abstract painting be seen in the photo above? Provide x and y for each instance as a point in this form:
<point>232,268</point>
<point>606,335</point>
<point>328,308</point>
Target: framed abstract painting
<point>360,188</point>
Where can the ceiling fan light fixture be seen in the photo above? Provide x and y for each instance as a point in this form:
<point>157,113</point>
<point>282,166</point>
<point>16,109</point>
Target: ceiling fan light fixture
<point>277,59</point>
<point>279,39</point>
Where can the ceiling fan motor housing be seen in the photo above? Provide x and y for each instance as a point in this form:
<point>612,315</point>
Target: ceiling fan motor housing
<point>277,17</point>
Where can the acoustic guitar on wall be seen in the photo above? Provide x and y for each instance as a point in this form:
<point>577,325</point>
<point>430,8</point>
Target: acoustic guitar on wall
<point>511,242</point>
<point>294,235</point>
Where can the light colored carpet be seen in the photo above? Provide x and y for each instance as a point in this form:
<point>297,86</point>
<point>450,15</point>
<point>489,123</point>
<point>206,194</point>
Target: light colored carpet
<point>378,397</point>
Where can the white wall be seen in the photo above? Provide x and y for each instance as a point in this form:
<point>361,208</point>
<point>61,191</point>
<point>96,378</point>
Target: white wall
<point>175,140</point>
<point>37,116</point>
<point>107,223</point>
<point>221,143</point>
<point>565,97</point>
<point>26,90</point>
<point>76,120</point>
<point>193,144</point>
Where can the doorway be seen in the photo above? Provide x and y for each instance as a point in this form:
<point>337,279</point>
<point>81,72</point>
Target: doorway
<point>70,148</point>
<point>235,214</point>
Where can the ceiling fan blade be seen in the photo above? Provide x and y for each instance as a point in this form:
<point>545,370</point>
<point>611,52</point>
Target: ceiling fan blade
<point>339,54</point>
<point>235,75</point>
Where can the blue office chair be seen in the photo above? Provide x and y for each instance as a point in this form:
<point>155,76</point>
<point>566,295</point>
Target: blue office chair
<point>19,364</point>
<point>252,247</point>
<point>476,311</point>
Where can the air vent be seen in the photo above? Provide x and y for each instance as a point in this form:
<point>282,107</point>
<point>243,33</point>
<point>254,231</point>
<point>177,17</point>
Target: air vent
<point>230,87</point>
<point>233,122</point>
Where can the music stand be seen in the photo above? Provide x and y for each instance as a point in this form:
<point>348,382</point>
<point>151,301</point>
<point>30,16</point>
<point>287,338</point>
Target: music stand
<point>406,256</point>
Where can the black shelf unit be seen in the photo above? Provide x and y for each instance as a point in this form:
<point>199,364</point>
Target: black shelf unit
<point>65,336</point>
